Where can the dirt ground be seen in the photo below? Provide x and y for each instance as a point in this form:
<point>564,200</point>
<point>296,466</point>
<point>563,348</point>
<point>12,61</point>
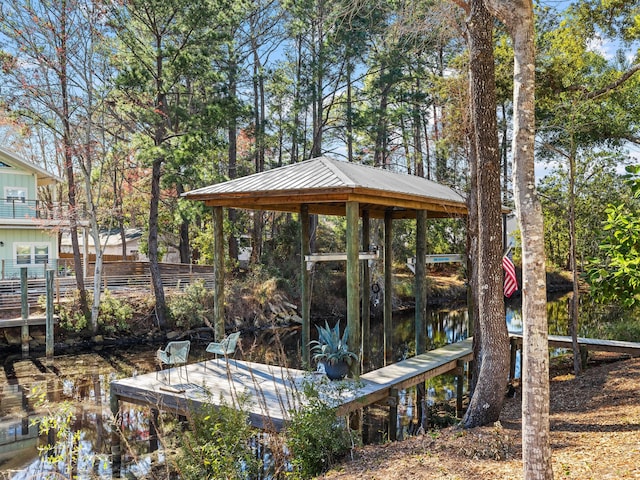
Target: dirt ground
<point>595,434</point>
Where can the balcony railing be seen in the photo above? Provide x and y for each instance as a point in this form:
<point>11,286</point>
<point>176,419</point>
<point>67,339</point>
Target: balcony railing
<point>17,208</point>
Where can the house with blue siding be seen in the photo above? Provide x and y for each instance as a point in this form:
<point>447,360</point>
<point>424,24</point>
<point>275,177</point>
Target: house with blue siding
<point>28,225</point>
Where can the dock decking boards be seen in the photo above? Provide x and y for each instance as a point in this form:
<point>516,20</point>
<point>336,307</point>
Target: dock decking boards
<point>595,344</point>
<point>274,391</point>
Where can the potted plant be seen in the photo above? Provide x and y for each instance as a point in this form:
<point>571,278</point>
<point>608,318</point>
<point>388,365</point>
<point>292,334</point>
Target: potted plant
<point>332,351</point>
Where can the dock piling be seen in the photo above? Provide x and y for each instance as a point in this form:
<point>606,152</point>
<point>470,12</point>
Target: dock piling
<point>393,414</point>
<point>24,310</point>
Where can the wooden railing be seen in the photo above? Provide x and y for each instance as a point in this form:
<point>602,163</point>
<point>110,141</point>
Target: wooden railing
<point>118,278</point>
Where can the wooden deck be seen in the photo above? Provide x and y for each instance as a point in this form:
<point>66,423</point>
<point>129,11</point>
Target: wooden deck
<point>18,322</point>
<point>274,391</point>
<point>595,344</point>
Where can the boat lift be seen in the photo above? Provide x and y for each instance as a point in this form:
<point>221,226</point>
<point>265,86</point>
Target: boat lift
<point>436,259</point>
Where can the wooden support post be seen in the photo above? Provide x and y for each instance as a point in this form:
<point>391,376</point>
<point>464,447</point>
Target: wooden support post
<point>116,437</point>
<point>218,274</point>
<point>388,288</point>
<point>353,284</point>
<point>459,387</point>
<point>153,430</point>
<point>422,413</point>
<point>24,302</point>
<point>421,282</point>
<point>366,294</point>
<point>584,356</point>
<point>513,344</point>
<point>305,285</point>
<point>393,414</point>
<point>2,269</point>
<point>49,341</point>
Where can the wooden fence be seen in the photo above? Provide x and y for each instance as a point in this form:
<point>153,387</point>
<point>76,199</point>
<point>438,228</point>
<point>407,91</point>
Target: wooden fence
<point>117,277</point>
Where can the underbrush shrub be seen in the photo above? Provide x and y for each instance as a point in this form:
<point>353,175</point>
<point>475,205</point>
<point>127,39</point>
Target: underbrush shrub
<point>193,307</point>
<point>115,314</point>
<point>70,316</point>
<point>219,444</point>
<point>624,329</point>
<point>316,437</point>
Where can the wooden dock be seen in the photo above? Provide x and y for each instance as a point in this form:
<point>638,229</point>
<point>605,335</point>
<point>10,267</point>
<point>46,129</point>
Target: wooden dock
<point>19,322</point>
<point>275,391</point>
<point>594,344</point>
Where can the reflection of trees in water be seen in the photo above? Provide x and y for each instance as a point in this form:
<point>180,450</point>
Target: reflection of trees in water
<point>84,381</point>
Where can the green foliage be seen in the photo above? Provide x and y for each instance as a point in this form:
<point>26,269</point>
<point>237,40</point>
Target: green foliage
<point>70,314</point>
<point>218,444</point>
<point>115,314</point>
<point>627,329</point>
<point>615,275</point>
<point>331,347</point>
<point>63,454</point>
<point>193,307</point>
<point>316,437</point>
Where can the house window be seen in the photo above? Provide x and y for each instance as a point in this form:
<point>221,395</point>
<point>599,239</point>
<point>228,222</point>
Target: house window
<point>13,194</point>
<point>32,253</point>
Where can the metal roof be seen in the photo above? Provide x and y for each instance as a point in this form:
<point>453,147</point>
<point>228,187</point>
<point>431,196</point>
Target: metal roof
<point>326,184</point>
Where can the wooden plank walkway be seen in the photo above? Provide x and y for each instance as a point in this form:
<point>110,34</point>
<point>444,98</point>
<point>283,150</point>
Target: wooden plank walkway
<point>18,322</point>
<point>275,391</point>
<point>595,344</point>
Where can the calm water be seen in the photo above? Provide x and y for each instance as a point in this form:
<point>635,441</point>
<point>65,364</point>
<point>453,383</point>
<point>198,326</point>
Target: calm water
<point>30,388</point>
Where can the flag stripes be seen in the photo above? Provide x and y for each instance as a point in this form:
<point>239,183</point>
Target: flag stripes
<point>510,280</point>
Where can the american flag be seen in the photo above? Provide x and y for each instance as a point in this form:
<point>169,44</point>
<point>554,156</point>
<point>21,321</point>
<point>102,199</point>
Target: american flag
<point>510,280</point>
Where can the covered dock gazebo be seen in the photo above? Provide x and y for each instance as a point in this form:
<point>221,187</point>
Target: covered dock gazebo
<point>332,187</point>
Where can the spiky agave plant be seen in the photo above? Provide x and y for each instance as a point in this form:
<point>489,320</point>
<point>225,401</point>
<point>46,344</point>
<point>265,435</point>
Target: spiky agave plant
<point>331,347</point>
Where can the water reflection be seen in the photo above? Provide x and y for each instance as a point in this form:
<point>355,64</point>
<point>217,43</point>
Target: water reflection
<point>30,390</point>
<point>84,379</point>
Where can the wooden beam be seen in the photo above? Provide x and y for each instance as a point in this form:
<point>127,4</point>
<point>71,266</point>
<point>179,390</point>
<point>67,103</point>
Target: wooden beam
<point>24,302</point>
<point>353,285</point>
<point>305,286</point>
<point>421,282</point>
<point>49,341</point>
<point>388,288</point>
<point>338,256</point>
<point>218,273</point>
<point>366,293</point>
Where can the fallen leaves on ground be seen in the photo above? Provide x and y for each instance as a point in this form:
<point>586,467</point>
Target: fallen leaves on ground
<point>595,434</point>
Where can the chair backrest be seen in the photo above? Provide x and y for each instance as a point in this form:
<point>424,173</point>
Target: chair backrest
<point>230,343</point>
<point>178,351</point>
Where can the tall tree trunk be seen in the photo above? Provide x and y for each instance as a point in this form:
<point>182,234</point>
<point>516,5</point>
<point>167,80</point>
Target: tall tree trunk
<point>488,396</point>
<point>517,15</point>
<point>349,119</point>
<point>575,299</point>
<point>417,135</point>
<point>68,158</point>
<point>183,244</point>
<point>472,261</point>
<point>154,267</point>
<point>380,154</point>
<point>296,102</point>
<point>156,174</point>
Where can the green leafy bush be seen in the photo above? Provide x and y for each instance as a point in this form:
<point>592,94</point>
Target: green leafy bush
<point>218,445</point>
<point>114,314</point>
<point>624,329</point>
<point>70,315</point>
<point>316,436</point>
<point>193,307</point>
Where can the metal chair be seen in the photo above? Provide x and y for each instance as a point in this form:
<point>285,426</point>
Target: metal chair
<point>174,354</point>
<point>225,347</point>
